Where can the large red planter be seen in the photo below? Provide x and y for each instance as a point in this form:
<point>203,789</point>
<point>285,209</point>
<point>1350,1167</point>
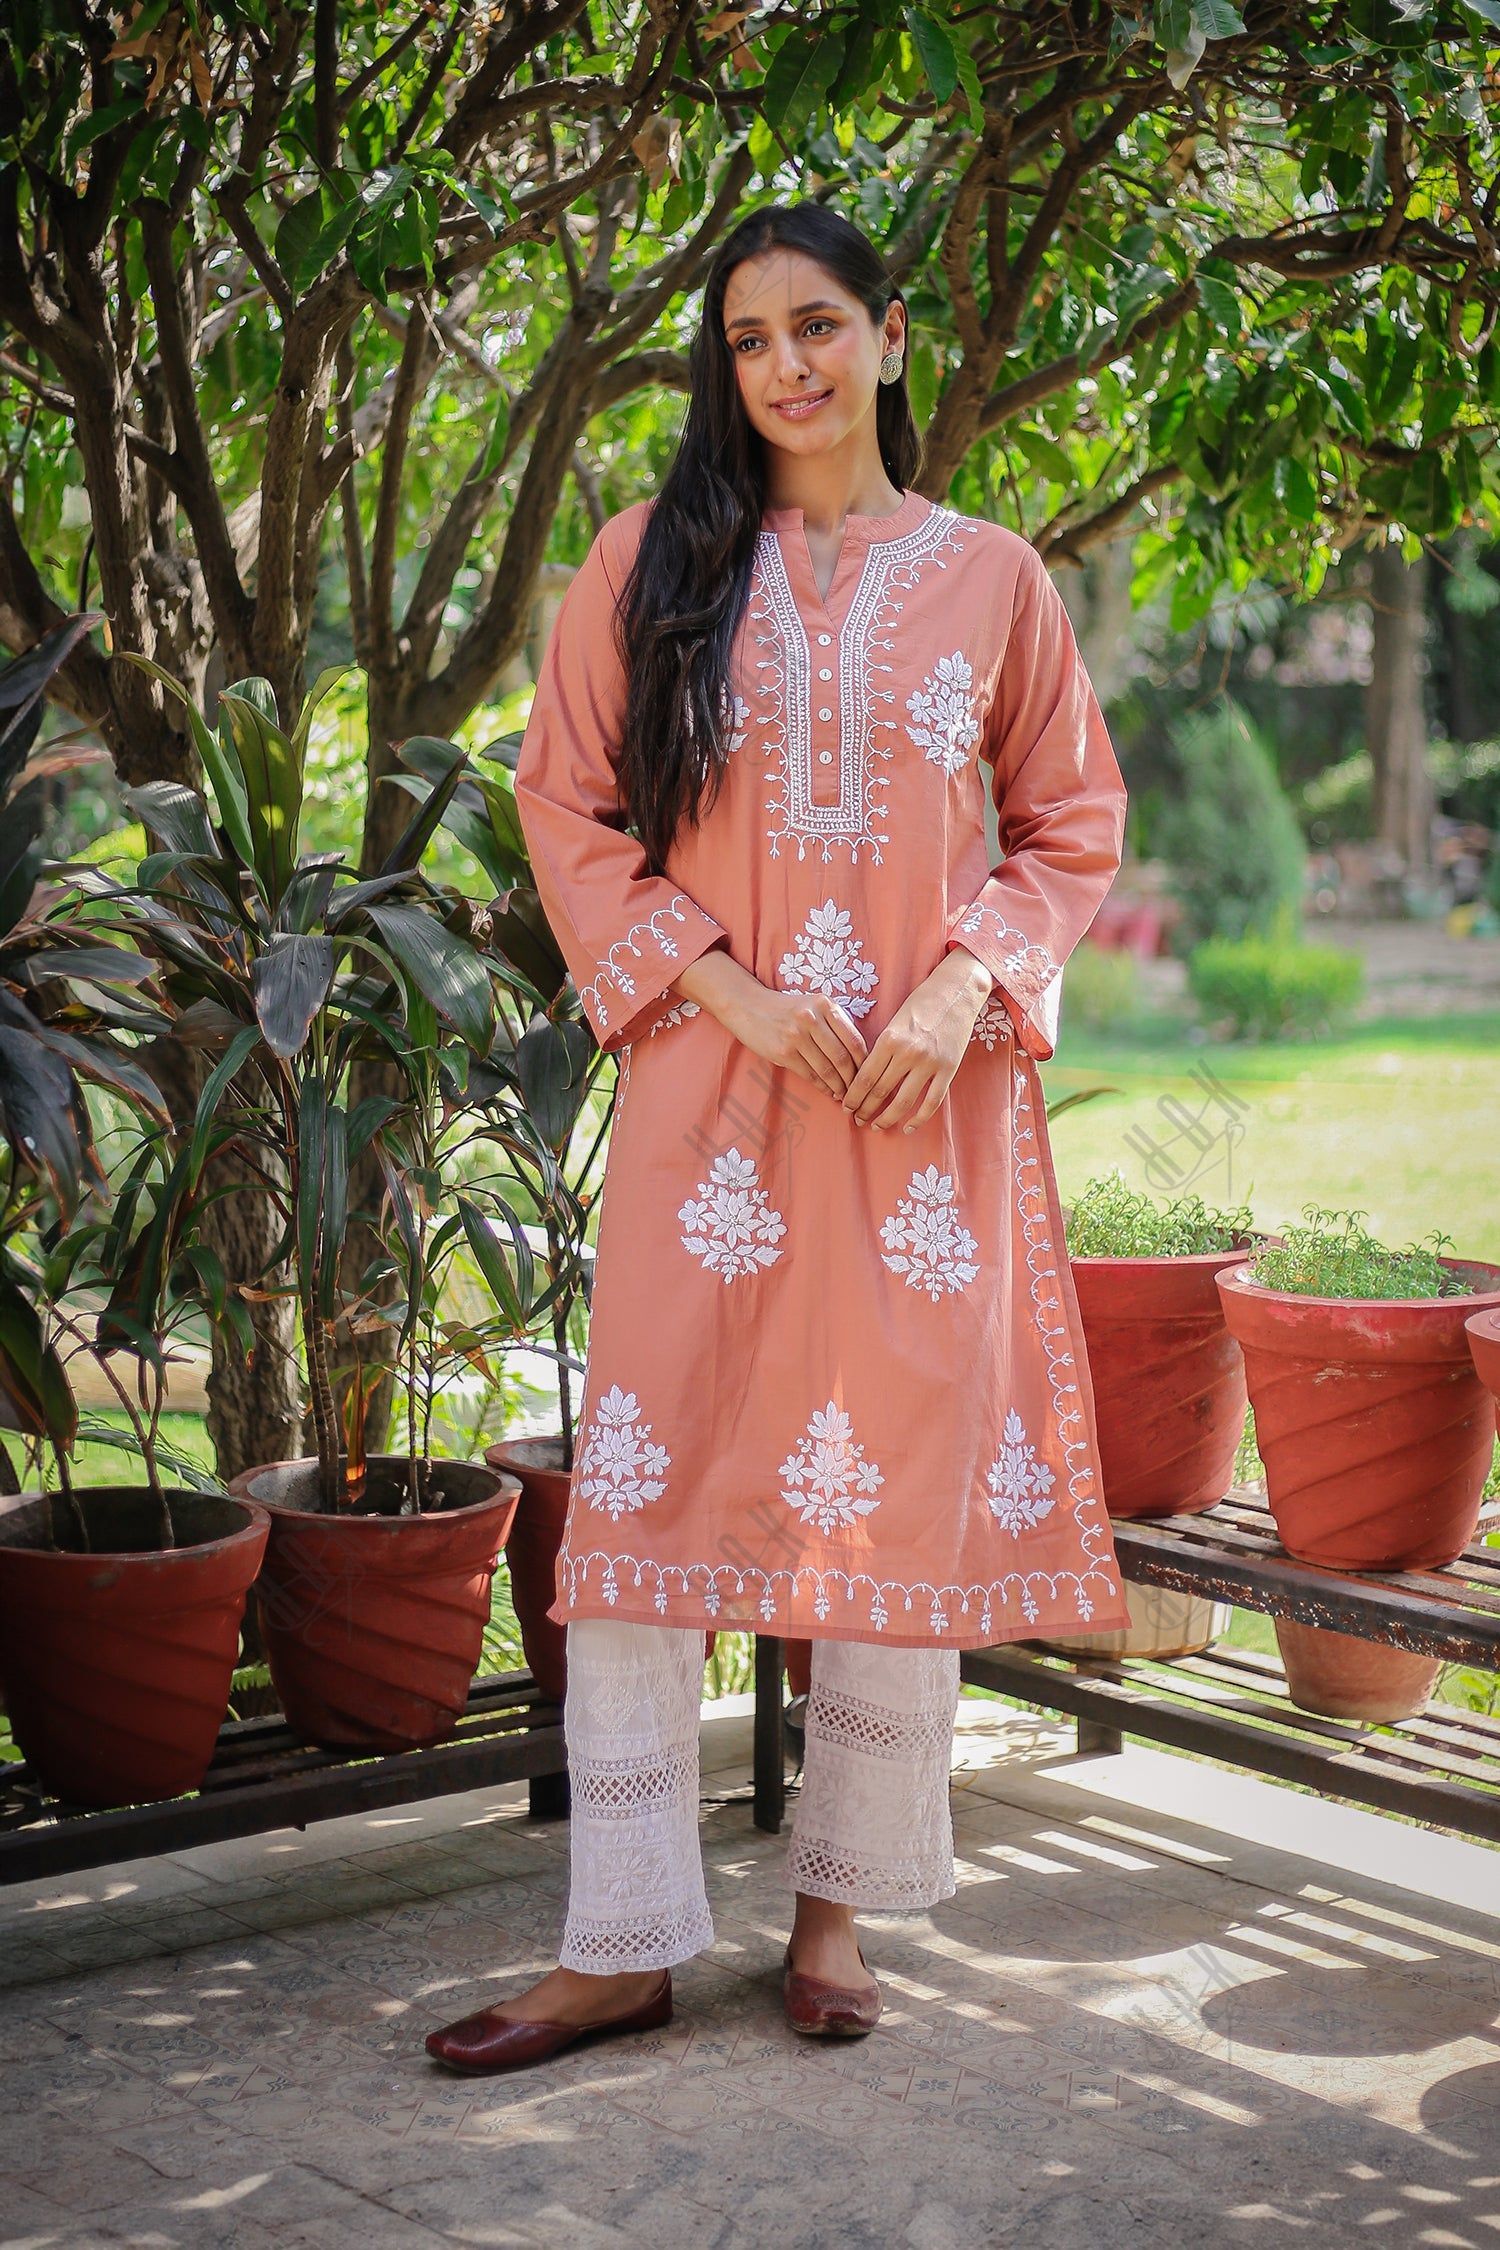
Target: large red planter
<point>531,1550</point>
<point>1168,1378</point>
<point>1375,1430</point>
<point>116,1666</point>
<point>1483,1331</point>
<point>374,1624</point>
<point>531,1553</point>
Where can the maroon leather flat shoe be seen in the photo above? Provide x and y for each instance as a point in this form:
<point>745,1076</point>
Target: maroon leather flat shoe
<point>827,2011</point>
<point>490,2041</point>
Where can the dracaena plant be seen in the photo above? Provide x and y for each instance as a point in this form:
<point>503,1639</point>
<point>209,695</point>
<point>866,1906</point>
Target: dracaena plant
<point>53,967</point>
<point>557,1065</point>
<point>117,1284</point>
<point>294,971</point>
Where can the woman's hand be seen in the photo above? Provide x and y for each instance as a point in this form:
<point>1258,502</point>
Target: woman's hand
<point>804,1032</point>
<point>905,1077</point>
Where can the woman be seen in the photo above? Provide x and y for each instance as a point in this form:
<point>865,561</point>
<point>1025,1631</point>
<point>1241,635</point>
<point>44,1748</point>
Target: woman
<point>836,1385</point>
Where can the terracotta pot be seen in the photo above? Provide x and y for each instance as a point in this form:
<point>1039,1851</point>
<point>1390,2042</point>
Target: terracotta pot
<point>531,1549</point>
<point>1483,1331</point>
<point>1344,1677</point>
<point>1163,1623</point>
<point>116,1665</point>
<point>531,1554</point>
<point>1375,1430</point>
<point>374,1623</point>
<point>1169,1381</point>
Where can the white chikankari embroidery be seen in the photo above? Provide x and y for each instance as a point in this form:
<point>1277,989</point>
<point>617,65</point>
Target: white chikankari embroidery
<point>992,1022</point>
<point>943,722</point>
<point>731,1225</point>
<point>827,958</point>
<point>618,1467</point>
<point>1020,1484</point>
<point>1028,965</point>
<point>678,1013</point>
<point>924,1240</point>
<point>739,723</point>
<point>831,1480</point>
<point>662,941</point>
<point>865,650</point>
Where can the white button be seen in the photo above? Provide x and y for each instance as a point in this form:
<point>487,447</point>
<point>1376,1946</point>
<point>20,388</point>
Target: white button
<point>825,757</point>
<point>825,675</point>
<point>825,640</point>
<point>825,714</point>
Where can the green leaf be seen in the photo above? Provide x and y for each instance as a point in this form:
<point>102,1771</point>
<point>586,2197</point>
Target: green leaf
<point>936,50</point>
<point>239,1050</point>
<point>223,774</point>
<point>444,969</point>
<point>489,1256</point>
<point>291,981</point>
<point>273,785</point>
<point>1217,19</point>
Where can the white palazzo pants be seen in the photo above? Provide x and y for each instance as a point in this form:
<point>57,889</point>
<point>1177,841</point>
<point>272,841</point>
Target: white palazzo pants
<point>871,1826</point>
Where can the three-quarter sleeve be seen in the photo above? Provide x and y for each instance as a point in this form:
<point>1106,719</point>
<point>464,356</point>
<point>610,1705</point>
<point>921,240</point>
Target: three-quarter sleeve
<point>1060,798</point>
<point>625,934</point>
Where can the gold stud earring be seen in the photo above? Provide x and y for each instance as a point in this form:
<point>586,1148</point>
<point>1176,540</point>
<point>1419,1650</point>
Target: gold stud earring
<point>890,367</point>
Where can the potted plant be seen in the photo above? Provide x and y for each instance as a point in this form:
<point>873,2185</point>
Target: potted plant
<point>375,1589</point>
<point>1376,1432</point>
<point>557,1072</point>
<point>120,1606</point>
<point>1168,1382</point>
<point>1168,1379</point>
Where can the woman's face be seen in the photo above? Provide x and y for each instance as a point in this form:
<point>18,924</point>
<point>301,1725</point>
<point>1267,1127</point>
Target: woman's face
<point>796,335</point>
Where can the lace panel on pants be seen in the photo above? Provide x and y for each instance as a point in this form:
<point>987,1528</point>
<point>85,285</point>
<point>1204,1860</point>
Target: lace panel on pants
<point>872,1826</point>
<point>636,1898</point>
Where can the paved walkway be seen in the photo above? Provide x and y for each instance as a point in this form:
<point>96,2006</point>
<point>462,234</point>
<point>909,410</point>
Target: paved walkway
<point>1168,2006</point>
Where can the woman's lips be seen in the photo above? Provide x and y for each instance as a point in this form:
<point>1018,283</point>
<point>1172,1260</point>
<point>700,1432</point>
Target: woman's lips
<point>798,409</point>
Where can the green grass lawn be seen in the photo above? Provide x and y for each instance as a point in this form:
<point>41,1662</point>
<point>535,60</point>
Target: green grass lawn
<point>1397,1119</point>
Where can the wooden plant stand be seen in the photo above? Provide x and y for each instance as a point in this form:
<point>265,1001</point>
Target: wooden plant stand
<point>1231,1705</point>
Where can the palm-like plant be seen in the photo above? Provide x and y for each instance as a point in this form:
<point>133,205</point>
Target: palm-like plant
<point>50,1043</point>
<point>294,972</point>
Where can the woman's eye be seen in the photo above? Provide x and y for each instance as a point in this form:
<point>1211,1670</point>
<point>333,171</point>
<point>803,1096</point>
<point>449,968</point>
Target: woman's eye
<point>755,339</point>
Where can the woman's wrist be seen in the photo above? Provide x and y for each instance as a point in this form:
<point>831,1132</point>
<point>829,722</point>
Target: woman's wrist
<point>968,973</point>
<point>717,982</point>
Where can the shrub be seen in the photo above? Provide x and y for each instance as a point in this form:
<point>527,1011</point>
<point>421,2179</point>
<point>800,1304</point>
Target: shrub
<point>1103,988</point>
<point>1231,839</point>
<point>1324,1260</point>
<point>1112,1220</point>
<point>1274,987</point>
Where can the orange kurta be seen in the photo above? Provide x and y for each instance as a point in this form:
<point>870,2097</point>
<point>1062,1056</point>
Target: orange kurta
<point>836,1382</point>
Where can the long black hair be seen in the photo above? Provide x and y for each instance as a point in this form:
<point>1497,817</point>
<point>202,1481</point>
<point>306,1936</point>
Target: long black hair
<point>681,604</point>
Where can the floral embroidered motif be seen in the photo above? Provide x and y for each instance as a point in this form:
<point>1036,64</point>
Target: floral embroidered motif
<point>1020,1484</point>
<point>830,1478</point>
<point>731,1226</point>
<point>924,1240</point>
<point>1028,965</point>
<point>992,1023</point>
<point>618,1467</point>
<point>866,644</point>
<point>679,1013</point>
<point>942,713</point>
<point>739,725</point>
<point>662,940</point>
<point>827,958</point>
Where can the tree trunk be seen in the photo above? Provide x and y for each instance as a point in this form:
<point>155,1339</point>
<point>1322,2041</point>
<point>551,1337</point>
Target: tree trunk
<point>1395,712</point>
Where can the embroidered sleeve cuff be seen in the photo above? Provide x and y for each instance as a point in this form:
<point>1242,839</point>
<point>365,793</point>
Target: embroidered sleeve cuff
<point>1026,976</point>
<point>630,993</point>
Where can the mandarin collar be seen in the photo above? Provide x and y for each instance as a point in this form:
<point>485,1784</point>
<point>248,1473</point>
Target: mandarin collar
<point>866,530</point>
